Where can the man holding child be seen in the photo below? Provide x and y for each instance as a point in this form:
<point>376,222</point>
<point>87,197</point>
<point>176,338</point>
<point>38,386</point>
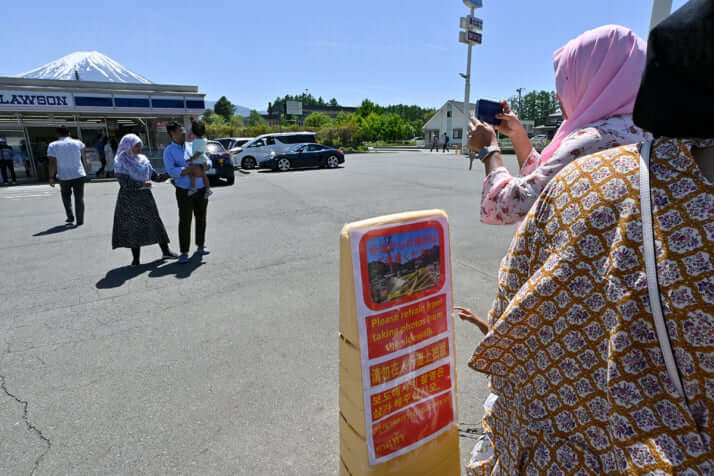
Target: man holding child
<point>189,204</point>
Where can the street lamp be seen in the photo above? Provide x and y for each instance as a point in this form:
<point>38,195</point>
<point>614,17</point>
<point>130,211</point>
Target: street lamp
<point>520,90</point>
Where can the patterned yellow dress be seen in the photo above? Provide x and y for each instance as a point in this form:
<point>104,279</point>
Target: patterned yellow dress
<point>578,380</point>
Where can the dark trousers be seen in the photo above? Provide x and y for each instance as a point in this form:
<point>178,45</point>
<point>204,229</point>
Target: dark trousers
<point>446,146</point>
<point>104,165</point>
<point>195,205</point>
<point>76,186</point>
<point>5,167</point>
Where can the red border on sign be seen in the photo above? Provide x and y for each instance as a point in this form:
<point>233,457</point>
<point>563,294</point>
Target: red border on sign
<point>413,424</point>
<point>392,231</point>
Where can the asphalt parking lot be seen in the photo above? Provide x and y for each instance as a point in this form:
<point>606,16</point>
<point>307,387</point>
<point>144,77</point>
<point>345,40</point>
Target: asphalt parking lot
<point>227,365</point>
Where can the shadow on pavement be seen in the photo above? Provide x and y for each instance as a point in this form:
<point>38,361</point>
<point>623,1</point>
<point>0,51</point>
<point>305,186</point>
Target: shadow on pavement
<point>55,229</point>
<point>181,271</point>
<point>157,269</point>
<point>118,276</point>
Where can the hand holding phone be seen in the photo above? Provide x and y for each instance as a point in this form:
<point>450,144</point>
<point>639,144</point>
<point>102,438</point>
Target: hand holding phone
<point>487,111</point>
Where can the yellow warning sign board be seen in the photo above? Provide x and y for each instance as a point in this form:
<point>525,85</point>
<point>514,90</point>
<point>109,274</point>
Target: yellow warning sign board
<point>397,394</point>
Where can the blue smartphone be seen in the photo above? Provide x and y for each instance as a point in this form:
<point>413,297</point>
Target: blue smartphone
<point>487,111</point>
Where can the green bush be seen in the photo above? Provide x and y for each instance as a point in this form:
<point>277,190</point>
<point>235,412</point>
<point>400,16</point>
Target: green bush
<point>344,136</point>
<point>317,120</point>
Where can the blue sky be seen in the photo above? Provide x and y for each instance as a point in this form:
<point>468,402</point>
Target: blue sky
<point>391,51</point>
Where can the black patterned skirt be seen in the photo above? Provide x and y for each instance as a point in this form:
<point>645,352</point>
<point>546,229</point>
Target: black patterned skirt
<point>136,220</point>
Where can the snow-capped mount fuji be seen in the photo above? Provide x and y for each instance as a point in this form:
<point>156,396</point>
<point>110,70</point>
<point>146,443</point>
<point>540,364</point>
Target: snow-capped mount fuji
<point>89,65</point>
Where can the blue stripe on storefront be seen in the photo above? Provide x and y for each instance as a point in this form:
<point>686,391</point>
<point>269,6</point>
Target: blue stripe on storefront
<point>195,104</point>
<point>167,103</point>
<point>88,101</point>
<point>131,102</point>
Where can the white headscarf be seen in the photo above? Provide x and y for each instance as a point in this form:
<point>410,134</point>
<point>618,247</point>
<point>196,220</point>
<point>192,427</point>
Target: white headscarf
<point>128,163</point>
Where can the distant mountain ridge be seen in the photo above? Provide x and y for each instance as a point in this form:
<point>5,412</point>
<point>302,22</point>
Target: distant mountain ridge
<point>89,65</point>
<point>240,110</point>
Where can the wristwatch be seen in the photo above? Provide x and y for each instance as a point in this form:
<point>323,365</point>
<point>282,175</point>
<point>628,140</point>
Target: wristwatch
<point>486,151</point>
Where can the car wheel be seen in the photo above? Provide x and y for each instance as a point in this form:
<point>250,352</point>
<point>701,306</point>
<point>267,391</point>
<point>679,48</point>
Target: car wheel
<point>333,162</point>
<point>231,180</point>
<point>213,180</point>
<point>283,164</point>
<point>248,163</point>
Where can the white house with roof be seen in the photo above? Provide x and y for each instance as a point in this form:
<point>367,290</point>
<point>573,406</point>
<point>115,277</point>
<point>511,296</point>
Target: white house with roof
<point>450,118</point>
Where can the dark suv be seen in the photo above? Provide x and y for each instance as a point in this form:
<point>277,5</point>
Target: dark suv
<point>222,163</point>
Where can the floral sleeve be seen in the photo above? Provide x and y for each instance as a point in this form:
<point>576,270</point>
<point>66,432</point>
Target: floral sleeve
<point>506,199</point>
<point>531,163</point>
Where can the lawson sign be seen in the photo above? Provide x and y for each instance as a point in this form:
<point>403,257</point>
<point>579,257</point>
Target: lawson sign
<point>37,100</point>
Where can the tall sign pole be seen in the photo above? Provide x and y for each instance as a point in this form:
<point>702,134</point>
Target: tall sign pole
<point>467,97</point>
<point>471,25</point>
<point>660,10</point>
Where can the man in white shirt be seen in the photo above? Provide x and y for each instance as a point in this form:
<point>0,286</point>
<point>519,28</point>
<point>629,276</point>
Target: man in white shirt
<point>65,156</point>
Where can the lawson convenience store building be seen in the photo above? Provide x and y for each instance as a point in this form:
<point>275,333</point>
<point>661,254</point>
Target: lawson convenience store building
<point>31,109</point>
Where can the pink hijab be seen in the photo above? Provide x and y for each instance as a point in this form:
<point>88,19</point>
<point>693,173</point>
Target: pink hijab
<point>597,75</point>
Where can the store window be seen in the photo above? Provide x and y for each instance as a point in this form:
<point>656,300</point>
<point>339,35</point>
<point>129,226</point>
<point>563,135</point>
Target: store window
<point>160,138</point>
<point>92,130</point>
<point>22,163</point>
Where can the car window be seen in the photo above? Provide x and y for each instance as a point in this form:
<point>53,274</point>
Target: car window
<point>313,147</point>
<point>297,138</point>
<point>297,148</point>
<point>306,138</point>
<point>213,148</point>
<point>258,143</point>
<point>271,140</point>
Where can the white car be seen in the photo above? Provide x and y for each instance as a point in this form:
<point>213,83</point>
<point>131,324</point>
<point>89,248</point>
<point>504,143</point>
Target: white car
<point>539,142</point>
<point>418,141</point>
<point>252,152</point>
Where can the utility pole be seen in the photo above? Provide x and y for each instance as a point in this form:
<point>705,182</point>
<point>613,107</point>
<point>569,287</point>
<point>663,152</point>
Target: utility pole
<point>520,105</point>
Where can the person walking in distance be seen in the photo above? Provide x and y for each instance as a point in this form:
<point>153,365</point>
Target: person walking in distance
<point>435,143</point>
<point>7,165</point>
<point>101,154</point>
<point>446,142</point>
<point>65,157</point>
<point>189,206</point>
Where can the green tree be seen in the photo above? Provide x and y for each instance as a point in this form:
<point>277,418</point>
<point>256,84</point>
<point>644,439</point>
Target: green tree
<point>344,118</point>
<point>535,106</point>
<point>334,103</point>
<point>225,108</point>
<point>237,121</point>
<point>366,108</point>
<point>255,119</point>
<point>208,115</point>
<point>317,120</point>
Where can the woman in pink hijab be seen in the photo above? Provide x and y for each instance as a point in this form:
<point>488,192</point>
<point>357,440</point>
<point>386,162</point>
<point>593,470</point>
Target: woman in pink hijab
<point>597,76</point>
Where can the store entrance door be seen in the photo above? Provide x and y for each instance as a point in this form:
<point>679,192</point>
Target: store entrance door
<point>40,138</point>
<point>22,164</point>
